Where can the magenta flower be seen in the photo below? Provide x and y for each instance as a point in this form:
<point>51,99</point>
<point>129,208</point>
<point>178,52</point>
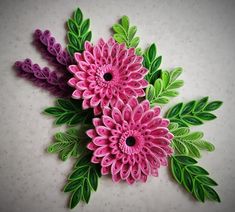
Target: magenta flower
<point>107,72</point>
<point>130,141</point>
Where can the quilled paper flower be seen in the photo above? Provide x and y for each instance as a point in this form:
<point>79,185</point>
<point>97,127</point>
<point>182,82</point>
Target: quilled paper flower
<point>130,141</point>
<point>107,72</point>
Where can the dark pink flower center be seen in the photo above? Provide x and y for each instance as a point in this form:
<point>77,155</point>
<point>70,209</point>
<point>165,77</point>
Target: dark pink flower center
<point>130,141</point>
<point>108,76</point>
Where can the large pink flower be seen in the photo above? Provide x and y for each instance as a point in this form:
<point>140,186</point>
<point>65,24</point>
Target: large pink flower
<point>130,141</point>
<point>107,72</point>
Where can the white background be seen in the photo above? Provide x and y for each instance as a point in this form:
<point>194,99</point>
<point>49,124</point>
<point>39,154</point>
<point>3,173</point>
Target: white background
<point>196,35</point>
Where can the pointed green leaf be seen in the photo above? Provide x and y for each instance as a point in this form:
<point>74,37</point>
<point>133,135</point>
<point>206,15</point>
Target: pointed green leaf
<point>176,170</point>
<point>176,73</point>
<point>86,190</point>
<point>125,22</point>
<point>150,92</point>
<point>75,198</point>
<point>55,111</point>
<point>200,104</point>
<point>152,52</point>
<point>64,118</point>
<point>85,26</point>
<point>211,193</point>
<point>197,170</point>
<point>156,64</point>
<point>174,111</point>
<point>165,79</point>
<point>158,86</point>
<point>119,29</point>
<point>206,116</point>
<point>191,120</point>
<point>193,136</point>
<point>73,27</point>
<point>206,181</point>
<point>78,16</point>
<point>204,145</point>
<point>185,159</point>
<point>188,107</point>
<point>213,106</point>
<point>198,191</point>
<point>132,32</point>
<point>187,180</point>
<point>71,186</point>
<point>79,172</point>
<point>176,84</point>
<point>180,132</point>
<point>93,179</point>
<point>134,42</point>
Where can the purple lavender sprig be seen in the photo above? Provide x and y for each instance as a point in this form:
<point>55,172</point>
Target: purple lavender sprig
<point>54,48</point>
<point>44,78</point>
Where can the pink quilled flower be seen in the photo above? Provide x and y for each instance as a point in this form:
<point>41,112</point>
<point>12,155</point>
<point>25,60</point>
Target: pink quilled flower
<point>107,72</point>
<point>130,141</point>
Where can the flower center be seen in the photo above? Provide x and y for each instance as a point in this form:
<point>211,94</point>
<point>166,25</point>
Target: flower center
<point>130,141</point>
<point>108,76</point>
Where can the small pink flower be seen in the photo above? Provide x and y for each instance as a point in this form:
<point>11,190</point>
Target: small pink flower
<point>130,141</point>
<point>107,72</point>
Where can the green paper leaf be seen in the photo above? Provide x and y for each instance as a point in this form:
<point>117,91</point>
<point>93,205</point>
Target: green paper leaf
<point>79,172</point>
<point>176,170</point>
<point>150,92</point>
<point>191,120</point>
<point>93,179</point>
<point>55,111</point>
<point>70,112</point>
<point>174,111</point>
<point>85,26</point>
<point>188,107</point>
<point>206,180</point>
<point>197,170</point>
<point>156,64</point>
<point>176,73</point>
<point>124,33</point>
<point>73,27</point>
<point>193,177</point>
<point>73,185</point>
<point>204,145</point>
<point>158,86</point>
<point>180,132</point>
<point>193,136</point>
<point>213,106</point>
<point>78,32</point>
<point>191,113</point>
<point>86,190</point>
<point>198,191</point>
<point>152,52</point>
<point>78,16</point>
<point>206,116</point>
<point>201,104</point>
<point>187,180</point>
<point>185,159</point>
<point>176,84</point>
<point>211,194</point>
<point>75,198</point>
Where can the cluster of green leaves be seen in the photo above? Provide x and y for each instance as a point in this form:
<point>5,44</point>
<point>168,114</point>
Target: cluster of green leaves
<point>193,112</point>
<point>194,178</point>
<point>188,143</point>
<point>71,143</point>
<point>82,181</point>
<point>78,32</point>
<point>124,33</point>
<point>152,62</point>
<point>164,87</point>
<point>70,112</point>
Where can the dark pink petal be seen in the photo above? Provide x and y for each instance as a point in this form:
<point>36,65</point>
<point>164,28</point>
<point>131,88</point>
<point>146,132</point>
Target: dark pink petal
<point>105,170</point>
<point>147,116</point>
<point>95,100</point>
<point>91,146</point>
<point>107,161</point>
<point>103,131</point>
<point>137,113</point>
<point>97,122</point>
<point>77,94</point>
<point>126,113</point>
<point>159,152</point>
<point>116,115</point>
<point>160,131</point>
<point>95,159</point>
<point>101,151</point>
<point>91,133</point>
<point>87,94</point>
<point>108,122</point>
<point>130,180</point>
<point>86,104</point>
<point>125,171</point>
<point>116,178</point>
<point>116,167</point>
<point>100,141</point>
<point>73,69</point>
